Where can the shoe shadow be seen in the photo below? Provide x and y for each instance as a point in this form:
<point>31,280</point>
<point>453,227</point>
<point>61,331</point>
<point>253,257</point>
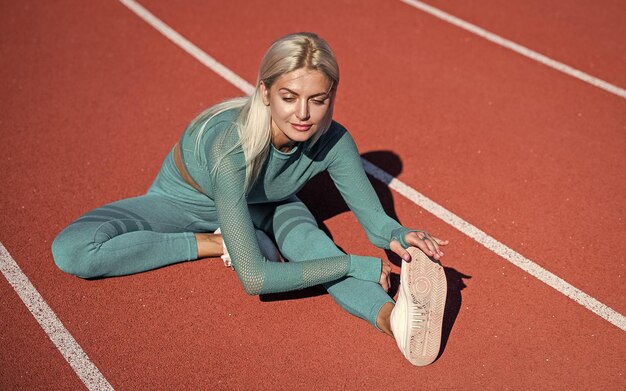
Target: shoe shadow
<point>324,200</point>
<point>454,300</point>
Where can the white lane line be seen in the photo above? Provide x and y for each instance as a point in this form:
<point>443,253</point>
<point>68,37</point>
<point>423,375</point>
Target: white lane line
<point>419,199</point>
<point>524,51</point>
<point>497,247</point>
<point>50,323</point>
<point>189,47</point>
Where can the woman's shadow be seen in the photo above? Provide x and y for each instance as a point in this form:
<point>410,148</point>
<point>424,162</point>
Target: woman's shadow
<point>324,200</point>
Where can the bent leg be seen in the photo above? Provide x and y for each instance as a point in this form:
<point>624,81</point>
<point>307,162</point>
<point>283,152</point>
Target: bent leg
<point>299,239</point>
<point>126,237</point>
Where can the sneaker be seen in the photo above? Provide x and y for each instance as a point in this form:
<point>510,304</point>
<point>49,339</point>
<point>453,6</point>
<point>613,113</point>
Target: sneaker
<point>417,317</point>
<point>226,256</point>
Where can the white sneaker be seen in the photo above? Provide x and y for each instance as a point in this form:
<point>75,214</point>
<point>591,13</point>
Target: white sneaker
<point>226,256</point>
<point>417,317</point>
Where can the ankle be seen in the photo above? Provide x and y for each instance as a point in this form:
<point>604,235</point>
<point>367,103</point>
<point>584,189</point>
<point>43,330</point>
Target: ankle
<point>383,320</point>
<point>209,245</point>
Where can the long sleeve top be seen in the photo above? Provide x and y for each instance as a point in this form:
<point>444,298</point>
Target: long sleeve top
<point>218,167</point>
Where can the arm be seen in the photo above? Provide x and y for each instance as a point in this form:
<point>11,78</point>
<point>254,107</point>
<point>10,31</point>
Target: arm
<point>257,274</point>
<point>347,172</point>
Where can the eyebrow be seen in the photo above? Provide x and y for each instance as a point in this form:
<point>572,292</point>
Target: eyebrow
<point>312,96</point>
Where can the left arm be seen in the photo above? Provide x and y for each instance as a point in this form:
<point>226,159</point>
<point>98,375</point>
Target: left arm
<point>346,171</point>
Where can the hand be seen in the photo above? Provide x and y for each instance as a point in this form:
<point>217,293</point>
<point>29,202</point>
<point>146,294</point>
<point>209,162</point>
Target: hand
<point>385,280</point>
<point>422,240</point>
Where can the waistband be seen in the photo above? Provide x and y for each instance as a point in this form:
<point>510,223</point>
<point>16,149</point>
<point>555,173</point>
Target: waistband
<point>180,165</point>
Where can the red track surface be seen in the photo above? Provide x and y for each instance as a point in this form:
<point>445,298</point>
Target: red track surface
<point>93,98</point>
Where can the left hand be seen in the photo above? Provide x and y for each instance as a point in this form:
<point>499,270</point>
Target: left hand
<point>385,279</point>
<point>422,240</point>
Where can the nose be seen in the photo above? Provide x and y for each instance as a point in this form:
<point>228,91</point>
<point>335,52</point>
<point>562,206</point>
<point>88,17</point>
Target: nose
<point>302,111</point>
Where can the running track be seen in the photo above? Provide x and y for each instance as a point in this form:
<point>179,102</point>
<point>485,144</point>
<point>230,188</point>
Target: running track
<point>93,98</point>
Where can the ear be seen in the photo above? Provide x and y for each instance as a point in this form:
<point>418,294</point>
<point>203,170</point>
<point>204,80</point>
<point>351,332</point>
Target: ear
<point>265,93</point>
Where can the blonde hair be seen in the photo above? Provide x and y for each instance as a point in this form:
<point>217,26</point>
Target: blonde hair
<point>287,54</point>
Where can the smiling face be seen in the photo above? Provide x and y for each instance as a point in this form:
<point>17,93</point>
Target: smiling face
<point>299,101</point>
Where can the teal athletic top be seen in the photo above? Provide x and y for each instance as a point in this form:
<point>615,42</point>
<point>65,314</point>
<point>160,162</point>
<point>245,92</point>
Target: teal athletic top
<point>282,176</point>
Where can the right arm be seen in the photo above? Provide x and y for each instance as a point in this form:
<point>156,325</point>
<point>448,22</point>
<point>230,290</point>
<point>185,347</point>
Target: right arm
<point>257,274</point>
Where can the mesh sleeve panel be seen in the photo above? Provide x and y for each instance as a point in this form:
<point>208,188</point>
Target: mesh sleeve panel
<point>346,171</point>
<point>256,273</point>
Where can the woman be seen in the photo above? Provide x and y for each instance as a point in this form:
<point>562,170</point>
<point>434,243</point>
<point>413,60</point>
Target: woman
<point>238,167</point>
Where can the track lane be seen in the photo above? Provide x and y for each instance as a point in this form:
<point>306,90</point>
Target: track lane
<point>57,118</point>
<point>125,331</point>
<point>28,359</point>
<point>544,142</point>
<point>582,34</point>
<point>493,113</point>
<point>509,324</point>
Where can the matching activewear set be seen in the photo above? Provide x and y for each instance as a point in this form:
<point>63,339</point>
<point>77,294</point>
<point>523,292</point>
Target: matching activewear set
<point>157,229</point>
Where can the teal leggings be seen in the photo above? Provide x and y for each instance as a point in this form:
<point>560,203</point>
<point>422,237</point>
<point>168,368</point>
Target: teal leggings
<point>151,231</point>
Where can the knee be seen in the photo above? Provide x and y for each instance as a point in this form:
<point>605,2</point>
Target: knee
<point>71,254</point>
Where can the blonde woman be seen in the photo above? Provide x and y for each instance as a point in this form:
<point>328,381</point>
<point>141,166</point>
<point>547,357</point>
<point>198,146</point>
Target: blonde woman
<point>237,167</point>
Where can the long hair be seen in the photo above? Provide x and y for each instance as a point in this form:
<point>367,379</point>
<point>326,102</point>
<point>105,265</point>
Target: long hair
<point>287,54</point>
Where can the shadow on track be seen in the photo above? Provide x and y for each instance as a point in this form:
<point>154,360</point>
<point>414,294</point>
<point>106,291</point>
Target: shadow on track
<point>453,304</point>
<point>325,202</point>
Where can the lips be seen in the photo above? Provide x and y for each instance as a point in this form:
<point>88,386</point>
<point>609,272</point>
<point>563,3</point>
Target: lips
<point>301,127</point>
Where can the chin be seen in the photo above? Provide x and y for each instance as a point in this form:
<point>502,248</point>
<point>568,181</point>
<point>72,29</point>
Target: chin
<point>300,138</point>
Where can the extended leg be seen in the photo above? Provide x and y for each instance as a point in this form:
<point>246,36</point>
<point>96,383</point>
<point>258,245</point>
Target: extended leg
<point>127,236</point>
<point>299,239</point>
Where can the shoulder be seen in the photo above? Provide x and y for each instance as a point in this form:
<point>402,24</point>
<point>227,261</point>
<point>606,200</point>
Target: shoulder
<point>213,131</point>
<point>336,135</point>
<point>209,140</point>
<point>336,130</point>
<point>220,121</point>
<point>335,144</point>
<point>341,138</point>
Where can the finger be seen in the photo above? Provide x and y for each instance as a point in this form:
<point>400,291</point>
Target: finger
<point>387,270</point>
<point>384,274</point>
<point>384,283</point>
<point>434,245</point>
<point>440,242</point>
<point>422,245</point>
<point>397,248</point>
<point>438,252</point>
<point>431,247</point>
<point>420,240</point>
<point>388,274</point>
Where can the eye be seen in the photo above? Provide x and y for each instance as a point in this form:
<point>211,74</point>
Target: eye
<point>288,99</point>
<point>319,102</point>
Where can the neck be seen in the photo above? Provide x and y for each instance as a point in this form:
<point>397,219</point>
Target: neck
<point>280,141</point>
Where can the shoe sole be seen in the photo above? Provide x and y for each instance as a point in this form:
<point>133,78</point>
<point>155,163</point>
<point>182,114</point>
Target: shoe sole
<point>424,283</point>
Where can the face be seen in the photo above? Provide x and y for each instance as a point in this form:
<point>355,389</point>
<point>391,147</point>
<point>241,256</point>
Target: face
<point>298,102</point>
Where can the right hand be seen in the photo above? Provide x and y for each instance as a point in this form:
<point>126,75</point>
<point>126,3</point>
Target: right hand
<point>385,280</point>
<point>422,240</point>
